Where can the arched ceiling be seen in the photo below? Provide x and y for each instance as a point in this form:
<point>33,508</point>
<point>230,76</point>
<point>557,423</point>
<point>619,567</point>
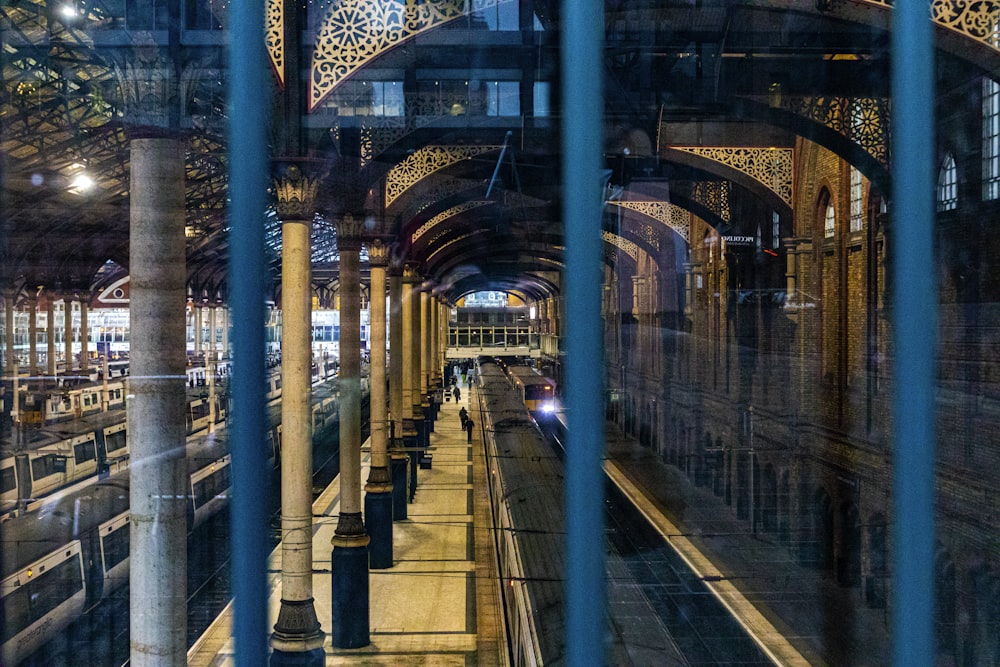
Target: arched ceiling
<point>716,73</point>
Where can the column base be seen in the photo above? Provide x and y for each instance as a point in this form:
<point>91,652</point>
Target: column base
<point>297,630</point>
<point>399,483</point>
<point>350,626</point>
<point>378,525</point>
<point>411,441</point>
<point>313,658</point>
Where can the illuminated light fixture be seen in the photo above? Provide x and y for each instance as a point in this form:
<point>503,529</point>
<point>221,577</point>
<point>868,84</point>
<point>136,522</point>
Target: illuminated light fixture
<point>81,183</point>
<point>69,11</point>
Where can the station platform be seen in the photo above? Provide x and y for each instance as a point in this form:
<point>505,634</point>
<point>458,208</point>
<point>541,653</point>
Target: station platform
<point>438,604</point>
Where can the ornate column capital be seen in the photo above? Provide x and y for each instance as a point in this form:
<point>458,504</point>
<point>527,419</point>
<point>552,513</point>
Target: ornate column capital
<point>296,196</point>
<point>378,253</point>
<point>411,273</point>
<point>349,232</point>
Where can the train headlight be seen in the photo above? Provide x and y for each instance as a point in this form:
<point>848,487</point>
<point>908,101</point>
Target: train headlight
<point>548,408</point>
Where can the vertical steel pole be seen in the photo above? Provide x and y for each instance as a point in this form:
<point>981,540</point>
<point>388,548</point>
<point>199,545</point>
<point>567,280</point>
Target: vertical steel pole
<point>247,184</point>
<point>915,324</point>
<point>582,139</point>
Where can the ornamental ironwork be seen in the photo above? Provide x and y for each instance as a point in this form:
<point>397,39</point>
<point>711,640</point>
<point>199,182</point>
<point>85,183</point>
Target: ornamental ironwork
<point>444,215</point>
<point>713,195</point>
<point>274,37</point>
<point>862,120</point>
<point>354,32</point>
<point>453,242</point>
<point>671,215</point>
<point>976,20</point>
<point>771,167</point>
<point>623,244</point>
<point>425,162</point>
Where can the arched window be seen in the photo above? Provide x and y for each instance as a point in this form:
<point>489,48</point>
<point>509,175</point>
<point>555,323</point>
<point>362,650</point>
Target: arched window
<point>829,222</point>
<point>857,194</point>
<point>991,139</point>
<point>947,190</point>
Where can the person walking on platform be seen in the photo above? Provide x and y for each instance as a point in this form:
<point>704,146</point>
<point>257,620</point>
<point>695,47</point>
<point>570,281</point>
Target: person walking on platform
<point>463,414</point>
<point>457,393</point>
<point>469,425</point>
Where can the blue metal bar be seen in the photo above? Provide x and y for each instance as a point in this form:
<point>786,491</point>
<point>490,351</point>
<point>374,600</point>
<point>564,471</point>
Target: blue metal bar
<point>915,324</point>
<point>582,141</point>
<point>248,169</point>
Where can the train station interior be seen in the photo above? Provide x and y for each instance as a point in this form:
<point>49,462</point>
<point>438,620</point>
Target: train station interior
<point>256,257</point>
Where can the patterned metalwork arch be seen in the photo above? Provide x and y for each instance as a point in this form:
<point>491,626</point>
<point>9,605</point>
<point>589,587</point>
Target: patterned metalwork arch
<point>354,32</point>
<point>671,215</point>
<point>771,167</point>
<point>274,37</point>
<point>622,243</point>
<point>976,19</point>
<point>424,162</point>
<point>444,215</point>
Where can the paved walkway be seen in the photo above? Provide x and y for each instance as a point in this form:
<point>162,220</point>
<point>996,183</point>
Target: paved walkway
<point>438,604</point>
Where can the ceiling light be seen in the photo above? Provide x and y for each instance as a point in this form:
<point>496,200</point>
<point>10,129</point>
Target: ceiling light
<point>81,183</point>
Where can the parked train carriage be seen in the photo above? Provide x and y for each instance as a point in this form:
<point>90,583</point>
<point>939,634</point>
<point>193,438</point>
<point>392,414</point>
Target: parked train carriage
<point>209,477</point>
<point>55,461</point>
<point>60,559</point>
<point>54,563</point>
<point>272,390</point>
<point>53,406</point>
<point>115,438</point>
<point>527,497</point>
<point>536,391</point>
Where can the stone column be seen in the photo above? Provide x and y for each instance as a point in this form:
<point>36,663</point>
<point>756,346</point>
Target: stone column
<point>349,567</point>
<point>435,376</point>
<point>378,490</point>
<point>50,335</point>
<point>416,395</point>
<point>9,365</point>
<point>397,407</point>
<point>210,346</point>
<point>410,388</point>
<point>84,336</point>
<point>158,494</point>
<point>198,307</point>
<point>425,344</point>
<point>297,629</point>
<point>211,357</point>
<point>425,364</point>
<point>68,332</point>
<point>225,331</point>
<point>33,337</point>
<point>9,297</point>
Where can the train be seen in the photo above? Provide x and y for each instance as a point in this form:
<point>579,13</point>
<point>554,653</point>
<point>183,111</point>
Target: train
<point>526,494</point>
<point>62,454</point>
<point>526,491</point>
<point>61,559</point>
<point>538,393</point>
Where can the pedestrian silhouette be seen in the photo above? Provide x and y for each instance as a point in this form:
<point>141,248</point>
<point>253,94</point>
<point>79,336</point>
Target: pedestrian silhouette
<point>469,425</point>
<point>463,414</point>
<point>457,393</point>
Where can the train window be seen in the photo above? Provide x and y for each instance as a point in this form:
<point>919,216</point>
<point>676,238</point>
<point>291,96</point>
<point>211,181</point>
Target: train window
<point>36,598</point>
<point>114,441</point>
<point>43,466</point>
<point>7,480</point>
<point>85,451</point>
<point>115,545</point>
